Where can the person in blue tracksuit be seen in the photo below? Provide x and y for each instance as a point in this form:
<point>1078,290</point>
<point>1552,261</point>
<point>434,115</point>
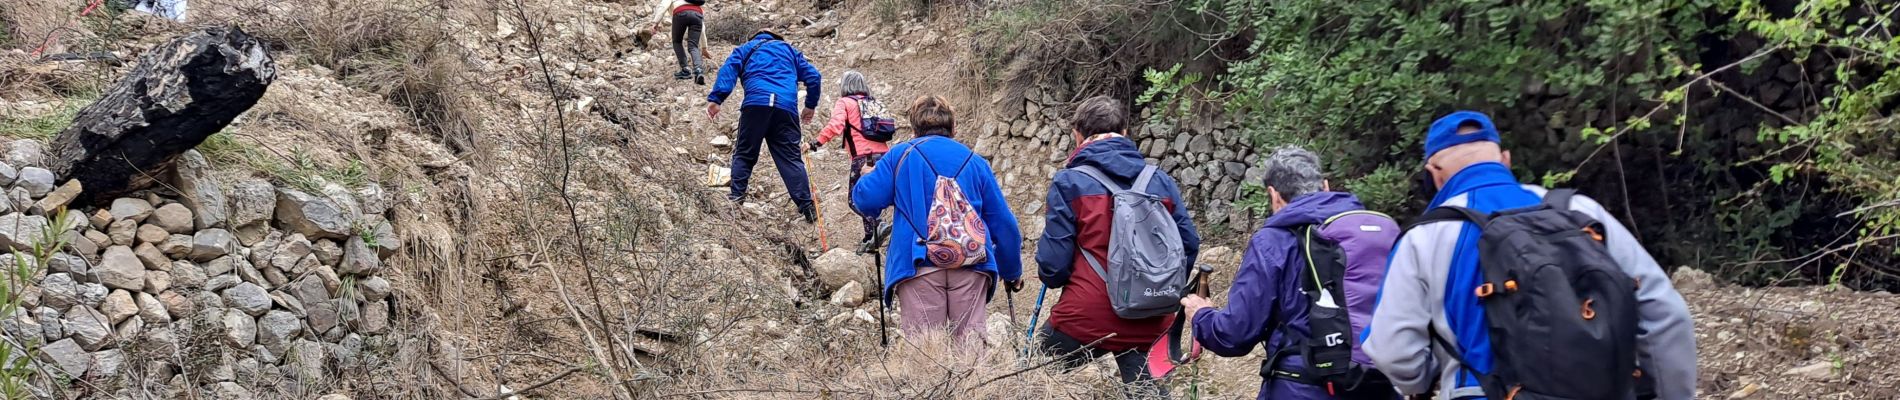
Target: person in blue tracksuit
<point>771,70</point>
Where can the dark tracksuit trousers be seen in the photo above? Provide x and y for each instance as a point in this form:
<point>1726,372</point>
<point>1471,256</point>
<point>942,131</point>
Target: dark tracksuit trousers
<point>687,26</point>
<point>1137,383</point>
<point>778,130</point>
<point>857,167</point>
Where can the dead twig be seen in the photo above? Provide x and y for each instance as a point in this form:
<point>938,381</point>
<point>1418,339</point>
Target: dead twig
<point>556,378</point>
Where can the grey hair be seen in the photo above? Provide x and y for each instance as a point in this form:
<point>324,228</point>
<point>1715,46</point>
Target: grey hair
<point>854,83</point>
<point>1293,171</point>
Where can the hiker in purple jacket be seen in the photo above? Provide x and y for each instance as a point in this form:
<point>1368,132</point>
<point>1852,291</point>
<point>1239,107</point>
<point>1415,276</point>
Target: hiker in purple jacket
<point>1267,304</point>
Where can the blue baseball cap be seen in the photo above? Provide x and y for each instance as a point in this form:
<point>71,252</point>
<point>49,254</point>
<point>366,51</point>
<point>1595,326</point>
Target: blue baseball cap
<point>1444,131</point>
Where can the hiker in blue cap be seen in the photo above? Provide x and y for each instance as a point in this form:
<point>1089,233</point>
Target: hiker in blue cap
<point>1560,302</point>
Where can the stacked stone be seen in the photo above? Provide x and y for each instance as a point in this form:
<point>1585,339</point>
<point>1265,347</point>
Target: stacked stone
<point>1208,155</point>
<point>286,281</point>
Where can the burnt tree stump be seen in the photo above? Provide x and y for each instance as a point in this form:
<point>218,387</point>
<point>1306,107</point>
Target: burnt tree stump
<point>180,93</point>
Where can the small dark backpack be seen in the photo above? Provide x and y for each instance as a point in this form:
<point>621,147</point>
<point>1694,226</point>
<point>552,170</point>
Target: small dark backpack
<point>874,120</point>
<point>1344,261</point>
<point>696,2</point>
<point>1561,313</point>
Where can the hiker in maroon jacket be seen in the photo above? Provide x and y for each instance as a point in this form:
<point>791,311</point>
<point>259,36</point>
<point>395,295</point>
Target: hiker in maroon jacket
<point>1079,211</point>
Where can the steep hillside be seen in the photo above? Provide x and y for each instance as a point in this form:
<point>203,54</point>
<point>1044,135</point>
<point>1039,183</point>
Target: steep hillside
<point>554,232</point>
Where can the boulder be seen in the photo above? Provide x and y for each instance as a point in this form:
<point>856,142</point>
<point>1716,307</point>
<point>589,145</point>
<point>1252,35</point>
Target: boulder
<point>175,246</point>
<point>253,202</point>
<point>118,306</point>
<point>247,297</point>
<point>179,306</point>
<point>374,288</point>
<point>121,269</point>
<point>8,174</point>
<point>89,327</point>
<point>71,358</point>
<point>359,259</point>
<point>157,281</point>
<point>20,231</point>
<point>186,274</point>
<point>59,291</point>
<point>37,181</point>
<point>315,217</point>
<point>123,232</point>
<point>239,328</point>
<point>839,266</point>
<point>212,243</point>
<point>106,363</point>
<point>174,218</point>
<point>201,191</point>
<point>180,92</point>
<point>127,208</point>
<point>375,318</point>
<point>151,257</point>
<point>328,252</point>
<point>277,329</point>
<point>154,234</point>
<point>152,310</point>
<point>60,197</point>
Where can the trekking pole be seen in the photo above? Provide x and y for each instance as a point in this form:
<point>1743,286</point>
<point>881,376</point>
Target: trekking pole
<point>883,333</point>
<point>1035,313</point>
<point>817,211</point>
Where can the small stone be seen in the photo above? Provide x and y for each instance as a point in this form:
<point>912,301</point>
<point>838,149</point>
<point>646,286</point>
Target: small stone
<point>1820,371</point>
<point>79,245</point>
<point>285,254</point>
<point>205,300</point>
<point>247,297</point>
<point>153,234</point>
<point>239,328</point>
<point>129,329</point>
<point>330,279</point>
<point>8,174</point>
<point>231,391</point>
<point>121,269</point>
<point>132,209</point>
<point>91,294</point>
<point>328,252</point>
<point>59,291</point>
<point>848,296</point>
<point>100,219</point>
<point>1745,391</point>
<point>106,363</point>
<point>248,272</point>
<point>221,282</point>
<point>188,275</point>
<point>276,330</point>
<point>153,310</point>
<point>374,288</point>
<point>274,276</point>
<point>60,197</point>
<point>310,290</point>
<point>89,327</point>
<point>118,306</point>
<point>52,326</point>
<point>150,257</point>
<point>322,316</point>
<point>177,305</point>
<point>334,396</point>
<point>175,246</point>
<point>220,266</point>
<point>62,262</point>
<point>375,200</point>
<point>306,360</point>
<point>387,243</point>
<point>37,181</point>
<point>838,266</point>
<point>174,218</point>
<point>359,258</point>
<point>375,318</point>
<point>201,191</point>
<point>287,301</point>
<point>313,216</point>
<point>21,232</point>
<point>100,239</point>
<point>212,243</point>
<point>69,356</point>
<point>123,232</point>
<point>157,281</point>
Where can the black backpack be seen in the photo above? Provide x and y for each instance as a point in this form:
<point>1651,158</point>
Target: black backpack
<point>696,2</point>
<point>1327,347</point>
<point>1561,313</point>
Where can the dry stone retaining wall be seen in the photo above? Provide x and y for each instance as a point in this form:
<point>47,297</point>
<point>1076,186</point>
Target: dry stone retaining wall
<point>233,289</point>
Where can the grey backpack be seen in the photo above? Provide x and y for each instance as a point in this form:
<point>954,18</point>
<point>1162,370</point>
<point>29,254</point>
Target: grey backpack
<point>1147,269</point>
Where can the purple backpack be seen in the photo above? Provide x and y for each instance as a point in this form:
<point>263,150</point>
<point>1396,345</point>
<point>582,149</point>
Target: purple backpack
<point>1345,259</point>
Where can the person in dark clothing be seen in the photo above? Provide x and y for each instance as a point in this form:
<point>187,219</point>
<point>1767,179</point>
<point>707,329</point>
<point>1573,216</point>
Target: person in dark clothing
<point>1079,212</point>
<point>689,39</point>
<point>770,69</point>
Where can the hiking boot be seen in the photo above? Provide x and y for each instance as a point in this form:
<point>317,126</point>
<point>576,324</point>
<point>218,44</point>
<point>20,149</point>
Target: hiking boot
<point>699,77</point>
<point>868,245</point>
<point>810,213</point>
<point>682,75</point>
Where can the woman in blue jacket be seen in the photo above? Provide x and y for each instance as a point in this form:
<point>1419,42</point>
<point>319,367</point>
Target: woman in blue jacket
<point>939,298</point>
